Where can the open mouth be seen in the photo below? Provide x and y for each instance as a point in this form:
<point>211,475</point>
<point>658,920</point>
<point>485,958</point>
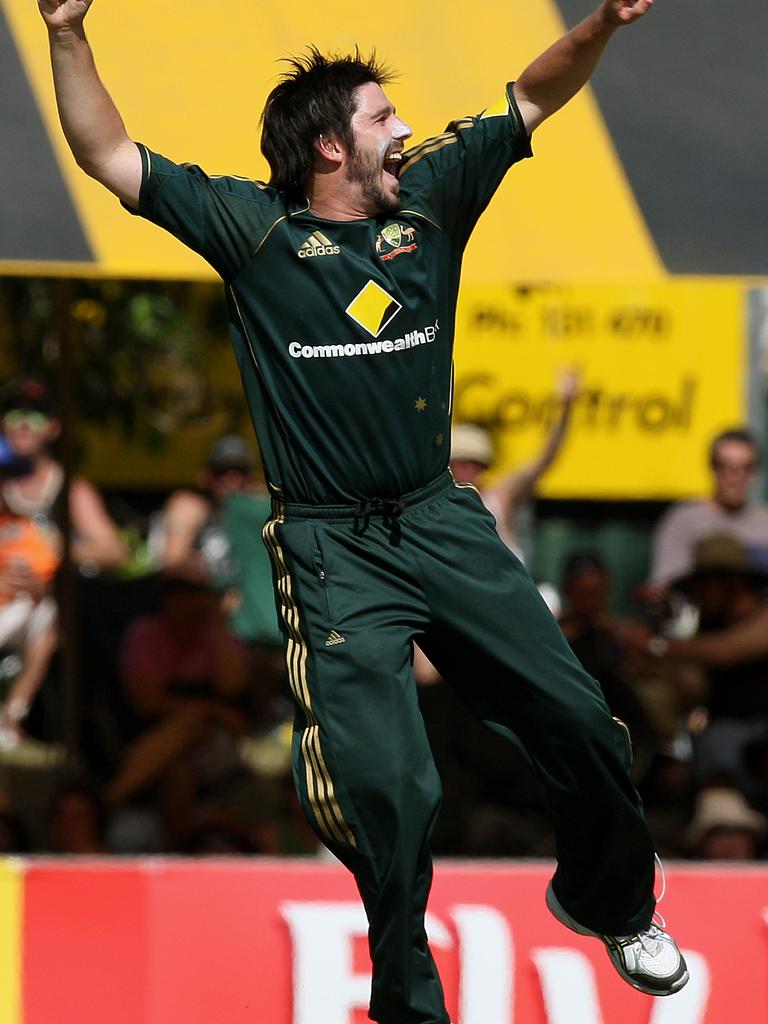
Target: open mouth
<point>392,165</point>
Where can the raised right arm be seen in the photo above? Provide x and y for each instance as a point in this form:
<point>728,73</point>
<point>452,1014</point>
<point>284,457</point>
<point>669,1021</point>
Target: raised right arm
<point>92,125</point>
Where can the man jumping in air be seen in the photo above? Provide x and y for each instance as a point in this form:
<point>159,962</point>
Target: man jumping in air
<point>341,277</point>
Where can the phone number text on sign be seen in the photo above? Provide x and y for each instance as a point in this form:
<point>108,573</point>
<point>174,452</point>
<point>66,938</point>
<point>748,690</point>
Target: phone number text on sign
<point>663,367</point>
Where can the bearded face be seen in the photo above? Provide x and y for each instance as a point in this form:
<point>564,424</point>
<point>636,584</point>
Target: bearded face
<point>375,175</point>
<point>373,162</point>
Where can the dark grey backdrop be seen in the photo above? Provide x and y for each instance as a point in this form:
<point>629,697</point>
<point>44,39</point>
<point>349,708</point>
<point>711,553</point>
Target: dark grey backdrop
<point>37,220</point>
<point>685,96</point>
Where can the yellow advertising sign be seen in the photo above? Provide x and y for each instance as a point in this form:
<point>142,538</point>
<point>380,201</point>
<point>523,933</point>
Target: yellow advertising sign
<point>11,881</point>
<point>663,367</point>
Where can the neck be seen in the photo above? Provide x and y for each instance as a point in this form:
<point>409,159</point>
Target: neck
<point>730,508</point>
<point>329,201</point>
<point>40,468</point>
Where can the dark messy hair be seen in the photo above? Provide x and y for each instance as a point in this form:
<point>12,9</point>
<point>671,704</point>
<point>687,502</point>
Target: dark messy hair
<point>315,97</point>
<point>739,434</point>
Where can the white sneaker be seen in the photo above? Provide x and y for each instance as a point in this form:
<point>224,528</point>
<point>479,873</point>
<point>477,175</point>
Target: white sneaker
<point>649,960</point>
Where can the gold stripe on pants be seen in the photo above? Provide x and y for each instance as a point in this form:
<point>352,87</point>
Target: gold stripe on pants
<point>320,790</point>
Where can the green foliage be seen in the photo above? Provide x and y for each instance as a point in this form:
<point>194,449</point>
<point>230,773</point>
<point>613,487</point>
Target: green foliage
<point>141,351</point>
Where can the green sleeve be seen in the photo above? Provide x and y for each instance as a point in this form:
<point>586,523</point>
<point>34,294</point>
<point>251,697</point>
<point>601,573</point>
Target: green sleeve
<point>451,178</point>
<point>224,219</point>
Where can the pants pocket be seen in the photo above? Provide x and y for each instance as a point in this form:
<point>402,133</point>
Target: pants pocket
<point>321,572</point>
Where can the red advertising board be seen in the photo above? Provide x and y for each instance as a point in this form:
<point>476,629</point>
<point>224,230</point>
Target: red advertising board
<point>278,942</point>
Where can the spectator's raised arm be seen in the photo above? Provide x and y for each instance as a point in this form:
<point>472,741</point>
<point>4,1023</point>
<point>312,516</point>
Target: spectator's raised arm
<point>517,487</point>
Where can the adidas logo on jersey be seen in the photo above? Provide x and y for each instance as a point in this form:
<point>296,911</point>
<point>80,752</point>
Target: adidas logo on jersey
<point>318,245</point>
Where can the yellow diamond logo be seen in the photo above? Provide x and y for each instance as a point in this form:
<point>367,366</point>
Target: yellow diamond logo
<point>373,308</point>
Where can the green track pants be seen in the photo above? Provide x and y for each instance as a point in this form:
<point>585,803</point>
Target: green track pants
<point>354,592</point>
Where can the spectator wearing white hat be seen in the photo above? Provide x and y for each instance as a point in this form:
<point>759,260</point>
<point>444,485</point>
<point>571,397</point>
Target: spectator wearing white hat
<point>472,453</point>
<point>727,585</point>
<point>725,827</point>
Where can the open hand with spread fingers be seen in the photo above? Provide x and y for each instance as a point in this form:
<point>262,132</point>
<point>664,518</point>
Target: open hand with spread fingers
<point>63,14</point>
<point>624,12</point>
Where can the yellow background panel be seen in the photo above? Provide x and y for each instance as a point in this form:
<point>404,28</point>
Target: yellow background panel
<point>663,366</point>
<point>11,881</point>
<point>190,81</point>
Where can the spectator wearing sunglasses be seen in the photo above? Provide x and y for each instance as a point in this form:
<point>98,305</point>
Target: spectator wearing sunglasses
<point>31,427</point>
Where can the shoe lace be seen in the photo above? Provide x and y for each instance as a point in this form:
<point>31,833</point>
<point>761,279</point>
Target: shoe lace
<point>647,939</point>
<point>658,921</point>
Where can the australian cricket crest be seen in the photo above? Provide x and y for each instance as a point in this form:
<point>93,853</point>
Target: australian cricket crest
<point>394,240</point>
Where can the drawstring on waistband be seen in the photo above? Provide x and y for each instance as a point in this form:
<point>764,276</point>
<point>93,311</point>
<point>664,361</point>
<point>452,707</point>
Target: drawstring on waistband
<point>391,509</point>
<point>388,508</point>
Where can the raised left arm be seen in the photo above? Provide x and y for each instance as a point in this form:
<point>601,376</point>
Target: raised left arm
<point>557,75</point>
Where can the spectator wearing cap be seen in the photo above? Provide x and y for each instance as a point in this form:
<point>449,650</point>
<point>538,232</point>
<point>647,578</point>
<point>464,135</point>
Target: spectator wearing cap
<point>31,427</point>
<point>728,587</point>
<point>191,540</point>
<point>213,537</point>
<point>725,827</point>
<point>734,459</point>
<point>472,454</point>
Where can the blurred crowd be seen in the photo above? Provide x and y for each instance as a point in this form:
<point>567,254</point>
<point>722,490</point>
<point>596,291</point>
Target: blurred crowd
<point>175,674</point>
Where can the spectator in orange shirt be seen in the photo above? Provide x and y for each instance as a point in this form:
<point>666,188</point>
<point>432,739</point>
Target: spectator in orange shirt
<point>28,563</point>
<point>30,424</point>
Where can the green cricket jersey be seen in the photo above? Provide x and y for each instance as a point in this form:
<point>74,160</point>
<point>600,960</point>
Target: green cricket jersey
<point>343,330</point>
